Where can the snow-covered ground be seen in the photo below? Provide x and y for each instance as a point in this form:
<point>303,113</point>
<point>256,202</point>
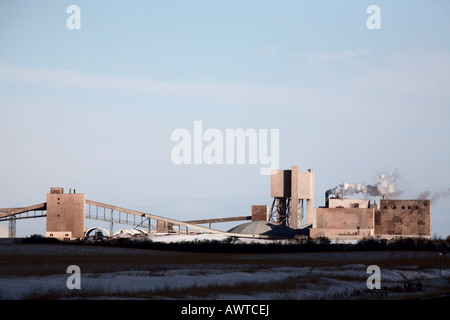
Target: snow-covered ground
<point>170,238</point>
<point>199,276</point>
<point>313,283</point>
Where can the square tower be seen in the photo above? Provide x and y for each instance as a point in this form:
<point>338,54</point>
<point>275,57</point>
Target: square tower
<point>65,214</point>
<point>289,188</point>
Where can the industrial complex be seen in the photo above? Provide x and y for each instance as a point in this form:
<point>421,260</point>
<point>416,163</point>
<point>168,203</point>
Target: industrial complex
<point>341,218</point>
<point>291,214</point>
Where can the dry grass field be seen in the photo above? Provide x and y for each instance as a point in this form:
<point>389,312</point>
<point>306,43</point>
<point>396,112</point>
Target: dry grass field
<point>38,271</point>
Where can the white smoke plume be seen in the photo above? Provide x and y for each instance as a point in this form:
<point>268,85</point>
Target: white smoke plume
<point>386,186</point>
<point>435,196</point>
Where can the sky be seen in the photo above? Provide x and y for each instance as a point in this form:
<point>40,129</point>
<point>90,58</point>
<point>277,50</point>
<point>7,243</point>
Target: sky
<point>94,108</point>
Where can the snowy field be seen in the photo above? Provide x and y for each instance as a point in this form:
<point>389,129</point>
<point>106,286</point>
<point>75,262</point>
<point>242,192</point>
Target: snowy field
<point>34,271</point>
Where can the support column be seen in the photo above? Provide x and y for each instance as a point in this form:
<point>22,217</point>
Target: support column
<point>12,227</point>
<point>310,210</point>
<point>281,211</point>
<point>293,223</point>
<point>302,212</point>
<point>111,225</point>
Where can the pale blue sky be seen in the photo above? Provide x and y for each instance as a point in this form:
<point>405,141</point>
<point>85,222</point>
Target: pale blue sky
<point>94,109</point>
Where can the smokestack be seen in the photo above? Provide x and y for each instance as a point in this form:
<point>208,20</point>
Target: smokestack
<point>327,198</point>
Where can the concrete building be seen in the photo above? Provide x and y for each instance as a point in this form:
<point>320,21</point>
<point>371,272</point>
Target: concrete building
<point>260,213</point>
<point>164,226</point>
<point>344,222</point>
<point>357,218</point>
<point>348,203</point>
<point>404,218</point>
<point>65,214</point>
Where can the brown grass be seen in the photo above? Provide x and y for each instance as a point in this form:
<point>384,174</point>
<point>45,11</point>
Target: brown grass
<point>154,261</point>
<point>29,262</point>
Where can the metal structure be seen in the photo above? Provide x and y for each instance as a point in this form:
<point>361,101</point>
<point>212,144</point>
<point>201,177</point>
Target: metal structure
<point>13,214</point>
<point>163,224</point>
<point>280,210</point>
<point>101,212</point>
<point>289,189</point>
<point>113,214</point>
<point>218,220</point>
<point>12,227</point>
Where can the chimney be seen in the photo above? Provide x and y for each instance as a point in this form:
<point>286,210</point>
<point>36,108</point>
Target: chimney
<point>327,198</point>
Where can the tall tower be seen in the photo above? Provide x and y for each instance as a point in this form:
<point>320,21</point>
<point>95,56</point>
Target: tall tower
<point>290,188</point>
<point>65,214</point>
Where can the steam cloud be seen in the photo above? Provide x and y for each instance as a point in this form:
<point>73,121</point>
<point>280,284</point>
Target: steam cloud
<point>435,196</point>
<point>386,185</point>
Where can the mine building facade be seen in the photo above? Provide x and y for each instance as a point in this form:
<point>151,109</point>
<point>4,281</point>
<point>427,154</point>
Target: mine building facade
<point>65,214</point>
<point>403,218</point>
<point>343,218</point>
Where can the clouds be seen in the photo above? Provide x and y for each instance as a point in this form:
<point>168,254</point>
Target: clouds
<point>407,83</point>
<point>409,74</point>
<point>407,80</point>
<point>328,56</point>
<point>249,95</point>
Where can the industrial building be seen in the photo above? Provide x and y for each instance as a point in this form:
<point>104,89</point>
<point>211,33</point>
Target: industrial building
<point>292,207</point>
<point>343,218</point>
<point>404,217</point>
<point>65,214</point>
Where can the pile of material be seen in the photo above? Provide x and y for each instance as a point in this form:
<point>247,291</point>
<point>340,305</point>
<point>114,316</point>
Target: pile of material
<point>264,228</point>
